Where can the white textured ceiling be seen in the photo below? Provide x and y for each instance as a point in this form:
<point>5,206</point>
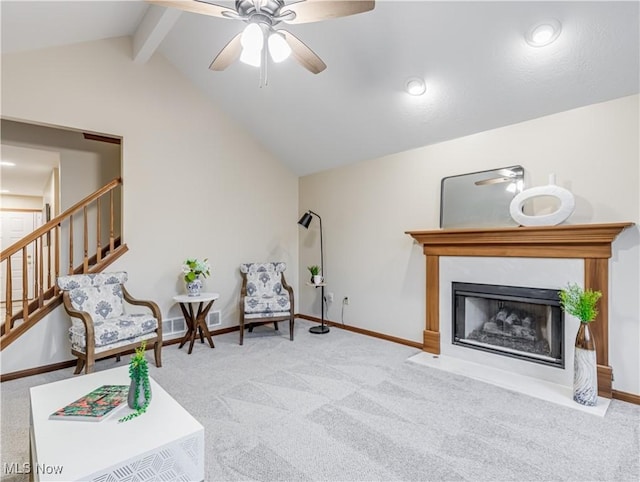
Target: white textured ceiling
<point>30,172</point>
<point>479,70</point>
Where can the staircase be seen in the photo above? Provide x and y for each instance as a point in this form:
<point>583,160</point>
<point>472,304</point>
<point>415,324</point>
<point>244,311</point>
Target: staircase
<point>83,239</point>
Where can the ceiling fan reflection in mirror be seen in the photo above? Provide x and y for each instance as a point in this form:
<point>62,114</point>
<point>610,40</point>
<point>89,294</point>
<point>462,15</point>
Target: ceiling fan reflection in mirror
<point>260,39</point>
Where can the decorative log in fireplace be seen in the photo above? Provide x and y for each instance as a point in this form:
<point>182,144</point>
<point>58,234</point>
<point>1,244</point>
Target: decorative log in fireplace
<point>591,242</point>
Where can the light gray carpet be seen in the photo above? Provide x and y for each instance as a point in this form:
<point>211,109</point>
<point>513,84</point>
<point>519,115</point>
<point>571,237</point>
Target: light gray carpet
<point>346,407</point>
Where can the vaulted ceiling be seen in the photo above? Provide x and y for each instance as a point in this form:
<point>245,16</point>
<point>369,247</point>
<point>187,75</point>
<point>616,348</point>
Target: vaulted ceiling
<point>479,70</point>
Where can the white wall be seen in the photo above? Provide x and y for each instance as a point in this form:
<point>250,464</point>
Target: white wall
<point>195,184</point>
<point>367,207</point>
<point>50,193</point>
<point>81,174</point>
<point>8,201</point>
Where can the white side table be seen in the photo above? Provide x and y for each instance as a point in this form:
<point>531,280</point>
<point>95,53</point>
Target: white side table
<point>196,321</point>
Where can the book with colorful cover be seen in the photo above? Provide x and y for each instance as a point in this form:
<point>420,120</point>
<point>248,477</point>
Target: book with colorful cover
<point>95,405</point>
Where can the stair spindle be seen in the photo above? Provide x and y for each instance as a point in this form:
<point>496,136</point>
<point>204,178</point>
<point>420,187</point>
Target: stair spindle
<point>85,237</point>
<point>25,282</point>
<point>70,244</point>
<point>111,217</point>
<point>8,306</point>
<point>98,233</point>
<point>40,268</point>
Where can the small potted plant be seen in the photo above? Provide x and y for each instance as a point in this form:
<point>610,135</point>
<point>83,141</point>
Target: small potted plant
<point>139,395</point>
<point>316,278</point>
<point>583,305</point>
<point>192,269</point>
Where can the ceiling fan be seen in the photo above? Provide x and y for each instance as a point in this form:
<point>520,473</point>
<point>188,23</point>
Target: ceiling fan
<point>260,38</point>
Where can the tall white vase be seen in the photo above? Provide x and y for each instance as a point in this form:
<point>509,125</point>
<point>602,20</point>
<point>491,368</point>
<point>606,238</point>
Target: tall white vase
<point>585,373</point>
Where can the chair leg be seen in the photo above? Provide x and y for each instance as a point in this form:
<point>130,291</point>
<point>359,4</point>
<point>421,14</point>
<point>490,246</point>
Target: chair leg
<point>79,366</point>
<point>291,328</point>
<point>275,325</point>
<point>90,355</point>
<point>241,330</point>
<point>157,352</point>
<point>117,358</point>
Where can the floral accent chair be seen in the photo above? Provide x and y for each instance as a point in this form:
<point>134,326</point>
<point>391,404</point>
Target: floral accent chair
<point>100,326</point>
<point>265,296</point>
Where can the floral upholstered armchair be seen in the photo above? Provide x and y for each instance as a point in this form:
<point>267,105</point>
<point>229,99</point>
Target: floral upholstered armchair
<point>265,296</point>
<point>100,326</point>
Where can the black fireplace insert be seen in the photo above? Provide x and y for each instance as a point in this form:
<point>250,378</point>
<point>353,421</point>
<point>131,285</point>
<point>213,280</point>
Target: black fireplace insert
<point>519,322</point>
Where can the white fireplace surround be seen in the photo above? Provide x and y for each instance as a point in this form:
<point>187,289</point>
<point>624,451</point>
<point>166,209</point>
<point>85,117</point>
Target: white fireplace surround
<point>523,272</point>
<point>553,384</point>
<point>537,252</point>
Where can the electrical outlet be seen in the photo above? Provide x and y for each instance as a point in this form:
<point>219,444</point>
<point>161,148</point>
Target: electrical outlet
<point>345,301</point>
<point>329,297</point>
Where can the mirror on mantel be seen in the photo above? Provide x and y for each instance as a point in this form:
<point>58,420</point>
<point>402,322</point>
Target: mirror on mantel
<point>480,199</point>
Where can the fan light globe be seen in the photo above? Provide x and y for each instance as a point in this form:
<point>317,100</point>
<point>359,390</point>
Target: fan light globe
<point>252,38</point>
<point>251,57</point>
<point>278,47</point>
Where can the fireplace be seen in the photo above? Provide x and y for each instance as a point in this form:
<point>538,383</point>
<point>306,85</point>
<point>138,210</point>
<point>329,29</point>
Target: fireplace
<point>519,322</point>
<point>590,243</point>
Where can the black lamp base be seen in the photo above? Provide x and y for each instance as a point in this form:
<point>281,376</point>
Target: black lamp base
<point>319,330</point>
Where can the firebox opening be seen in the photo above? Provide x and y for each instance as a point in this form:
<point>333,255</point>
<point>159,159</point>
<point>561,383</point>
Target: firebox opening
<point>525,323</point>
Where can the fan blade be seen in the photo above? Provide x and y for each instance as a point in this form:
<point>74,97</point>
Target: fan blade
<point>303,54</point>
<point>195,6</point>
<point>228,55</point>
<point>315,10</point>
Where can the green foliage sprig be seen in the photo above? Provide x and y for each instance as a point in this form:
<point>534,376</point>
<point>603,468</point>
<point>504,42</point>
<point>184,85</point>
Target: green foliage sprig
<point>314,270</point>
<point>139,371</point>
<point>192,268</point>
<point>580,303</point>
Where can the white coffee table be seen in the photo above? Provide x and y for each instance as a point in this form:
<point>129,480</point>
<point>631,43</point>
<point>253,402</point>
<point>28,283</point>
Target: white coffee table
<point>165,443</point>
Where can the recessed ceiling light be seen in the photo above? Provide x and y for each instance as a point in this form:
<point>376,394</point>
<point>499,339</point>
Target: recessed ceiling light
<point>415,86</point>
<point>4,191</point>
<point>543,33</point>
<point>7,163</point>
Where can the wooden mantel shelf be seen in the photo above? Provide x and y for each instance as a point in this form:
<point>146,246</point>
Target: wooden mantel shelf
<point>565,241</point>
<point>591,242</point>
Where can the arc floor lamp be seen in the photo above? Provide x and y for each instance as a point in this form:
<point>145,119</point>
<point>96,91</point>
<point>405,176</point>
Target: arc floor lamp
<point>305,221</point>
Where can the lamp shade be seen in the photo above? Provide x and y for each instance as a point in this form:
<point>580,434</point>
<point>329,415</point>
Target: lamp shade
<point>251,57</point>
<point>278,47</point>
<point>305,220</point>
<point>252,37</point>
